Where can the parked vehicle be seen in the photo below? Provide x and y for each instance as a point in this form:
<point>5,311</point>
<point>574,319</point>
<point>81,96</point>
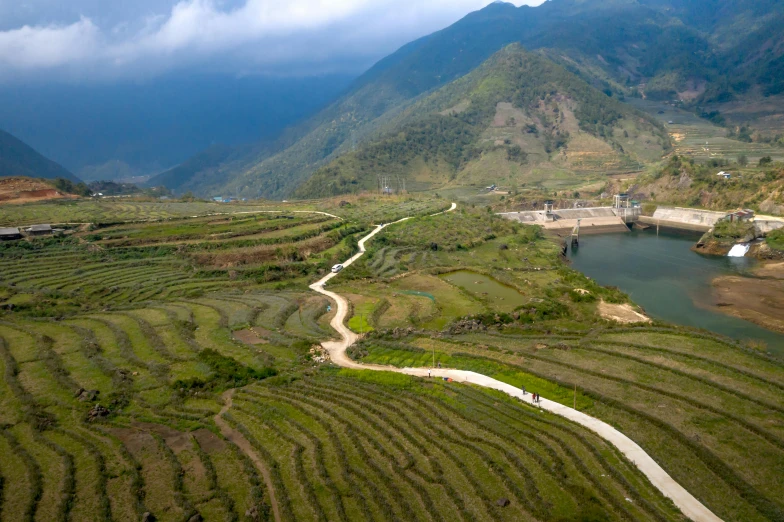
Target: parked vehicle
<point>337,268</point>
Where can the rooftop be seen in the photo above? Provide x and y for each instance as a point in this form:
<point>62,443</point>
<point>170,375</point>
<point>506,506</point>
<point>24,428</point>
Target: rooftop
<point>40,228</point>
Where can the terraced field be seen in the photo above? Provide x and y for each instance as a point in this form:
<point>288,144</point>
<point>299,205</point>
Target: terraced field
<point>700,139</point>
<point>362,209</point>
<point>708,412</point>
<point>111,211</point>
<point>120,347</point>
<point>350,446</point>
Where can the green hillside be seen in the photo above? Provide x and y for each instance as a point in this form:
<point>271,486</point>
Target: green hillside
<point>19,159</point>
<point>704,53</point>
<point>517,115</point>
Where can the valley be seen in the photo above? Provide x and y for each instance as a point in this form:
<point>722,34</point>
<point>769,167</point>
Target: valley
<point>258,265</point>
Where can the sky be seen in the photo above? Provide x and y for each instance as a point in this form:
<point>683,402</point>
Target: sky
<point>99,40</point>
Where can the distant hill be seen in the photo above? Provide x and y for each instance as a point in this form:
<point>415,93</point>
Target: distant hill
<point>19,159</point>
<point>207,171</point>
<point>702,52</point>
<point>515,119</point>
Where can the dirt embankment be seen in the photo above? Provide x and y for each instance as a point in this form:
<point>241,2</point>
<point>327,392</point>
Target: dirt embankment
<point>26,190</point>
<point>758,299</point>
<point>621,313</point>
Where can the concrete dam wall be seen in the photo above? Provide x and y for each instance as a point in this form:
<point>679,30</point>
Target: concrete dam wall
<point>592,220</point>
<point>684,218</point>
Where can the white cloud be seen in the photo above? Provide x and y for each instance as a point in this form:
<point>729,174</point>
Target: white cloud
<point>252,31</point>
<point>49,46</point>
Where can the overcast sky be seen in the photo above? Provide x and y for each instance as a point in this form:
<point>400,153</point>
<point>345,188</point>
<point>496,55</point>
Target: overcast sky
<point>90,40</point>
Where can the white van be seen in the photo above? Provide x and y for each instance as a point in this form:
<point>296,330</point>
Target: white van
<point>337,268</point>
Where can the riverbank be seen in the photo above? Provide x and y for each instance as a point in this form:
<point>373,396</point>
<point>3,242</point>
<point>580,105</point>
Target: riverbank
<point>758,299</point>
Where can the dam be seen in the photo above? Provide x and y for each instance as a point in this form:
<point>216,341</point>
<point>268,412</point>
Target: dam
<point>592,220</point>
<point>621,216</point>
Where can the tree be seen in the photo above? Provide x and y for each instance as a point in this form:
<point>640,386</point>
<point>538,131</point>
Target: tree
<point>743,160</point>
<point>767,160</point>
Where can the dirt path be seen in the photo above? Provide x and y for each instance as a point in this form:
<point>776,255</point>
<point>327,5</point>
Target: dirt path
<point>237,438</point>
<point>690,506</point>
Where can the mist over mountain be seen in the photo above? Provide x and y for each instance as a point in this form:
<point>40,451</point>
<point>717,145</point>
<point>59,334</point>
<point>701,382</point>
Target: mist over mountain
<point>148,127</point>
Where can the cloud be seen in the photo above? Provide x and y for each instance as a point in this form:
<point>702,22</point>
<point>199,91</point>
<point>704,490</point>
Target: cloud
<point>49,46</point>
<point>243,35</point>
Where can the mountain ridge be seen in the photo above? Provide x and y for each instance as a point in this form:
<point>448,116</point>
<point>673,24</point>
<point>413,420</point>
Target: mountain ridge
<point>659,49</point>
<point>17,159</point>
<point>517,112</point>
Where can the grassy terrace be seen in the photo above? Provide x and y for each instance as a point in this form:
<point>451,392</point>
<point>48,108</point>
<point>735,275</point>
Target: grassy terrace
<point>156,321</point>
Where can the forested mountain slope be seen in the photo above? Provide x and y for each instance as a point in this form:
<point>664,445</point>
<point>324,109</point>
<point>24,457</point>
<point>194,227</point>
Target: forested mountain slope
<point>19,159</point>
<point>516,115</point>
<point>698,51</point>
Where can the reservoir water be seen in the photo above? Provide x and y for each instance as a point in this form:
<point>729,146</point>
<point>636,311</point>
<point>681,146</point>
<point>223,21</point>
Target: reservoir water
<point>668,280</point>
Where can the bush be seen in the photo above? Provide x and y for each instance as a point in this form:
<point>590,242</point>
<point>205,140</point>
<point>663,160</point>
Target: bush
<point>227,373</point>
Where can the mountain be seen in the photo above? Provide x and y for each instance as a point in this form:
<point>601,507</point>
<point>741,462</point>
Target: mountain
<point>154,124</point>
<point>702,52</point>
<point>518,118</point>
<point>206,172</point>
<point>19,159</point>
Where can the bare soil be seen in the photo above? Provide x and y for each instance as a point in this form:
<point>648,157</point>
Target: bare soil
<point>757,300</point>
<point>250,336</point>
<point>26,190</point>
<point>621,313</point>
<point>208,441</point>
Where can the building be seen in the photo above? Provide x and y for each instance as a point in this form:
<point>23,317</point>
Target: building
<point>10,234</point>
<point>621,201</point>
<point>740,216</point>
<point>40,230</point>
<point>725,175</point>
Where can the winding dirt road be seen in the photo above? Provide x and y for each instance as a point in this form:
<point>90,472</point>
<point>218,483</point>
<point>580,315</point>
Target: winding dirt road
<point>690,506</point>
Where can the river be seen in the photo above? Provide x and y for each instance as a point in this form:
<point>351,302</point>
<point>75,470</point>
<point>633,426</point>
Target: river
<point>668,280</point>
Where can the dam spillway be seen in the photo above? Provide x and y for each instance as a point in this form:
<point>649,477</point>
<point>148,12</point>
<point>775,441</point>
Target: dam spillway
<point>593,220</point>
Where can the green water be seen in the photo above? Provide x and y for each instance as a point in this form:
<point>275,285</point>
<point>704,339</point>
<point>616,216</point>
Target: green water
<point>499,296</point>
<point>668,280</point>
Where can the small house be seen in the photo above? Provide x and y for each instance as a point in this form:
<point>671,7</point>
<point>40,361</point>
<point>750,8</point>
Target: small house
<point>740,216</point>
<point>725,175</point>
<point>10,234</point>
<point>40,230</point>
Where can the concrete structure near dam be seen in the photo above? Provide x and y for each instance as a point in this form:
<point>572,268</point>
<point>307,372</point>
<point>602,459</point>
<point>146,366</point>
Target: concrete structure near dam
<point>592,220</point>
<point>596,220</point>
<point>684,218</point>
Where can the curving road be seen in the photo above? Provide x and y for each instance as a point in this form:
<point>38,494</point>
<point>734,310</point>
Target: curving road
<point>690,506</point>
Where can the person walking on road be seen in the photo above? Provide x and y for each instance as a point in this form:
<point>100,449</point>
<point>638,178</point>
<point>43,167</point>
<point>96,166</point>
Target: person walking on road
<point>428,373</point>
<point>523,391</point>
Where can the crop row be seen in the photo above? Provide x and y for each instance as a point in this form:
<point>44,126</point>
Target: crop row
<point>386,426</point>
<point>643,400</point>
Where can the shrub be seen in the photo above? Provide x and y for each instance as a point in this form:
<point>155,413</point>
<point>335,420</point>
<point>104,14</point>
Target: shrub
<point>227,373</point>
